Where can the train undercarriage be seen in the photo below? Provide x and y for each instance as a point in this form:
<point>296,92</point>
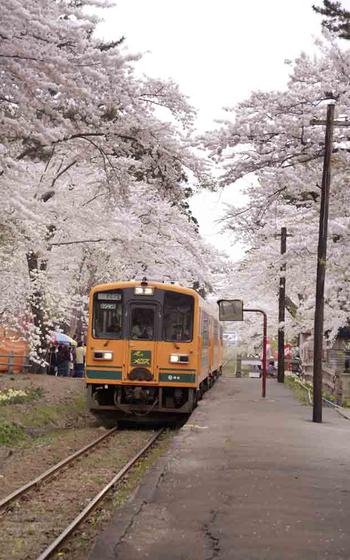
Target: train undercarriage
<point>142,403</point>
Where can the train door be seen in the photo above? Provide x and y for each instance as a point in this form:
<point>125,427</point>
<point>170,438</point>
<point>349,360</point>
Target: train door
<point>141,348</point>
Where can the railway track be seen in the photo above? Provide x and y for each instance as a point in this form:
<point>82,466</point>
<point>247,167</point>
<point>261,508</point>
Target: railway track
<point>52,470</point>
<point>86,511</point>
<point>38,508</point>
<point>39,504</point>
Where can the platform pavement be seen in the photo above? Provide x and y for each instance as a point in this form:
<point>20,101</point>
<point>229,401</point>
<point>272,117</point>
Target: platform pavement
<point>245,479</point>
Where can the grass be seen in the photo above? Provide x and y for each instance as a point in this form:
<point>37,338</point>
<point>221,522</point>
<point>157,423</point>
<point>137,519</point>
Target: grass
<point>21,423</point>
<point>230,361</point>
<point>55,415</point>
<point>297,389</point>
<point>329,397</point>
<point>13,396</point>
<point>11,434</point>
<point>301,393</point>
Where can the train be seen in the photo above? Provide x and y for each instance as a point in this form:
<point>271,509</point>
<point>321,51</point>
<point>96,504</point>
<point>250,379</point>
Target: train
<point>152,350</point>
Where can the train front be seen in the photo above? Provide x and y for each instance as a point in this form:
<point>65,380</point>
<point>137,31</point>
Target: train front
<point>142,354</point>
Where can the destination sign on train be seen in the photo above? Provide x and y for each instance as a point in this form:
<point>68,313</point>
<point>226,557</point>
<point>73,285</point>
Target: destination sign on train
<point>109,295</point>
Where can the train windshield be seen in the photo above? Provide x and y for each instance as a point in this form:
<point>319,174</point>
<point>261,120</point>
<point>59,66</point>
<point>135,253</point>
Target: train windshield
<point>107,314</point>
<point>142,323</point>
<point>178,317</point>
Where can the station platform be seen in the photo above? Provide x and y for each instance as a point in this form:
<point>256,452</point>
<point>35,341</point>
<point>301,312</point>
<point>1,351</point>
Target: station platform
<point>245,479</point>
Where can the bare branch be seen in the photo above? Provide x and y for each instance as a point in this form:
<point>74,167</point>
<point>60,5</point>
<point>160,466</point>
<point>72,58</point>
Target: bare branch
<point>60,243</point>
<point>94,198</point>
<point>19,57</point>
<point>63,171</point>
<point>82,241</point>
<point>271,196</point>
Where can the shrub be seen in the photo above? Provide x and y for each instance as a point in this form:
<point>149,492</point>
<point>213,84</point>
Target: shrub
<point>10,433</point>
<point>18,396</point>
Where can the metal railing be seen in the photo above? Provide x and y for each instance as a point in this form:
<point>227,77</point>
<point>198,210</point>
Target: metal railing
<point>12,362</point>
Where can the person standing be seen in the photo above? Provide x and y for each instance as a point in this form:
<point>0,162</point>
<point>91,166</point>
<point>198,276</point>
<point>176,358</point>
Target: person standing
<point>62,360</point>
<point>51,365</point>
<point>71,361</point>
<point>271,370</point>
<point>79,360</point>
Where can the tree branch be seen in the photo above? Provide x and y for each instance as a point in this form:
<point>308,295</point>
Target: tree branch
<point>63,171</point>
<point>60,243</point>
<point>79,242</point>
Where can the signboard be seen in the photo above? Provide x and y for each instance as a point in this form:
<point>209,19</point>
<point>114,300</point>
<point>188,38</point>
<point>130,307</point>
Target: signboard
<point>230,309</point>
<point>108,306</point>
<point>140,358</point>
<point>114,296</point>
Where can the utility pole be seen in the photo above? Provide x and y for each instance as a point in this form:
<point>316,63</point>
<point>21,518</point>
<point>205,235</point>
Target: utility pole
<point>321,266</point>
<point>281,309</point>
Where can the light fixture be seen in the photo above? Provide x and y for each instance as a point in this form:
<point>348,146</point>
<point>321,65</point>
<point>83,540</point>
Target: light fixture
<point>179,358</point>
<point>102,355</point>
<point>143,291</point>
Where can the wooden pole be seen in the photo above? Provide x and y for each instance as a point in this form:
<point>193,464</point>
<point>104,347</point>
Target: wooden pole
<point>281,309</point>
<point>321,268</point>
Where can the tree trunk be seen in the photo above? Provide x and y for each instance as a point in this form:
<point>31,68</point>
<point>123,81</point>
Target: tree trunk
<point>36,302</point>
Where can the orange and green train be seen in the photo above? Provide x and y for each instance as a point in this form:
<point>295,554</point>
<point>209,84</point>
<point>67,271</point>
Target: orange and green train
<point>152,350</point>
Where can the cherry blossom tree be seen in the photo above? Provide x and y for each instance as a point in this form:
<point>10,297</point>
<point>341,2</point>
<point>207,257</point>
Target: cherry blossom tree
<point>85,158</point>
<point>271,141</point>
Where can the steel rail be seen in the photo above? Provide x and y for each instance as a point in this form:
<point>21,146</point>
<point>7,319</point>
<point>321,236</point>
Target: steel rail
<point>17,493</point>
<point>85,512</point>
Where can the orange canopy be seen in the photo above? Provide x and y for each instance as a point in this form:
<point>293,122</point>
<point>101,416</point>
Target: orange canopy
<point>11,342</point>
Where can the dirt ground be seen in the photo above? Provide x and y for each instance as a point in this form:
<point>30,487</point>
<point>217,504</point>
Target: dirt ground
<point>41,432</point>
<point>52,403</point>
<point>55,389</point>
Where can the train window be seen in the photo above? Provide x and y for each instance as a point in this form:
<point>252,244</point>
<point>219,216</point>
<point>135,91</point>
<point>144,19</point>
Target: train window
<point>205,329</point>
<point>107,315</point>
<point>142,323</point>
<point>178,317</point>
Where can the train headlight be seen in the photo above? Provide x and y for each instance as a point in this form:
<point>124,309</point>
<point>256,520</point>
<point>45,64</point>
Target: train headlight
<point>174,358</point>
<point>102,355</point>
<point>179,358</point>
<point>143,291</point>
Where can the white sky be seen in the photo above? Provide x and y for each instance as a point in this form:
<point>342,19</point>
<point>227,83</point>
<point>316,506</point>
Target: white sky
<point>218,52</point>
